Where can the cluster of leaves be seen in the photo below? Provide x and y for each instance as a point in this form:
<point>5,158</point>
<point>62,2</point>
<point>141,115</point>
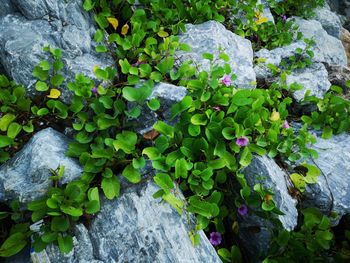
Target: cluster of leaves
<point>295,8</point>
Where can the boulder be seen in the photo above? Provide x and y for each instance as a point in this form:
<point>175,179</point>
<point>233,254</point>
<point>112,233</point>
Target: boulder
<point>6,7</point>
<point>168,95</point>
<point>339,76</point>
<point>265,171</point>
<point>26,177</point>
<point>327,49</point>
<point>329,21</point>
<point>60,24</point>
<point>211,36</point>
<point>331,193</point>
<point>136,228</point>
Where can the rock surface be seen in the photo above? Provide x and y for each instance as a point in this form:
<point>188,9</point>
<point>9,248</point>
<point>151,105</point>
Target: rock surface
<point>265,171</point>
<point>313,78</point>
<point>60,24</point>
<point>345,39</point>
<point>332,190</point>
<point>327,49</point>
<point>329,21</point>
<point>26,175</point>
<point>208,38</point>
<point>136,228</point>
<point>168,95</point>
<point>339,76</point>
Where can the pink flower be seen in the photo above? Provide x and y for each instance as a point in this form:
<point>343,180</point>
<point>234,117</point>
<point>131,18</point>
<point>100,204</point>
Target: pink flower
<point>226,81</point>
<point>215,238</point>
<point>242,141</point>
<point>243,210</point>
<point>285,125</point>
<point>94,91</point>
<point>217,108</point>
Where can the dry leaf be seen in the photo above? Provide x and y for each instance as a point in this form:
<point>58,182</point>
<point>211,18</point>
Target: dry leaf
<point>151,135</point>
<point>113,21</point>
<point>54,94</point>
<point>275,116</point>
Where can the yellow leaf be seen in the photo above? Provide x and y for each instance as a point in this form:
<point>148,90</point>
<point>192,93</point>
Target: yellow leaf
<point>257,14</point>
<point>113,21</point>
<point>261,20</point>
<point>275,116</point>
<point>162,33</point>
<point>54,94</point>
<point>125,29</point>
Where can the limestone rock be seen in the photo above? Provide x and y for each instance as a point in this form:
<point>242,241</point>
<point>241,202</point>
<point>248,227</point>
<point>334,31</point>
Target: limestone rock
<point>136,228</point>
<point>6,7</point>
<point>264,170</point>
<point>208,38</point>
<point>332,190</point>
<point>339,76</point>
<point>328,49</point>
<point>329,21</point>
<point>26,175</point>
<point>60,24</point>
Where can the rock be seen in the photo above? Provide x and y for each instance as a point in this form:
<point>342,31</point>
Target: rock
<point>208,38</point>
<point>60,24</point>
<point>26,175</point>
<point>329,21</point>
<point>168,95</point>
<point>313,78</point>
<point>137,228</point>
<point>345,39</point>
<point>339,76</point>
<point>275,57</point>
<point>331,193</point>
<point>327,49</point>
<point>6,7</point>
<point>265,171</point>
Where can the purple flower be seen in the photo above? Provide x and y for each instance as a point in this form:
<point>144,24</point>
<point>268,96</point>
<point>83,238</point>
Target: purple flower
<point>242,141</point>
<point>243,210</point>
<point>285,125</point>
<point>94,91</point>
<point>215,238</point>
<point>284,18</point>
<point>217,108</point>
<point>226,81</point>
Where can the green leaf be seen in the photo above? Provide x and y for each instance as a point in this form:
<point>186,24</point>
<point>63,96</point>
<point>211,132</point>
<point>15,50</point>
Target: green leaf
<point>138,163</point>
<point>199,119</point>
<point>59,224</point>
<point>152,153</point>
<point>13,244</point>
<point>6,120</point>
<point>137,94</point>
<point>5,141</point>
<point>13,130</point>
<point>174,202</point>
<point>125,141</point>
<point>111,187</point>
<point>327,132</point>
<point>41,86</point>
<point>65,243</point>
<point>181,168</point>
<point>133,175</point>
<point>56,80</point>
<point>225,254</point>
<point>153,104</point>
<point>246,157</point>
<point>88,5</point>
<point>181,106</point>
<point>164,181</point>
<point>164,128</point>
<point>298,181</point>
<point>71,210</point>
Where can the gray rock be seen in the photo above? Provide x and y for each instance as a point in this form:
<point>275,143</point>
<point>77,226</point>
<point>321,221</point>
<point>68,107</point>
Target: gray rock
<point>168,95</point>
<point>137,228</point>
<point>339,76</point>
<point>208,38</point>
<point>328,49</point>
<point>329,21</point>
<point>60,24</point>
<point>313,78</point>
<point>265,171</point>
<point>26,175</point>
<point>332,190</point>
<point>6,7</point>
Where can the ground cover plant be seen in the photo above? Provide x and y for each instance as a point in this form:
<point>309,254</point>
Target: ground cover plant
<point>219,128</point>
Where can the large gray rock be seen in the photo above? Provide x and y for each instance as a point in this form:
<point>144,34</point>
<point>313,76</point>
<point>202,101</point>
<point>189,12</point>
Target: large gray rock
<point>328,49</point>
<point>313,78</point>
<point>26,175</point>
<point>60,24</point>
<point>6,7</point>
<point>136,228</point>
<point>208,38</point>
<point>264,170</point>
<point>168,95</point>
<point>332,190</point>
<point>329,21</point>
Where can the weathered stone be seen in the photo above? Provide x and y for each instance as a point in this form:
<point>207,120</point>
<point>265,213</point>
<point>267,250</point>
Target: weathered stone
<point>332,190</point>
<point>168,95</point>
<point>60,24</point>
<point>265,171</point>
<point>208,38</point>
<point>345,39</point>
<point>26,175</point>
<point>339,76</point>
<point>137,228</point>
<point>327,49</point>
<point>6,7</point>
<point>313,78</point>
<point>329,21</point>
